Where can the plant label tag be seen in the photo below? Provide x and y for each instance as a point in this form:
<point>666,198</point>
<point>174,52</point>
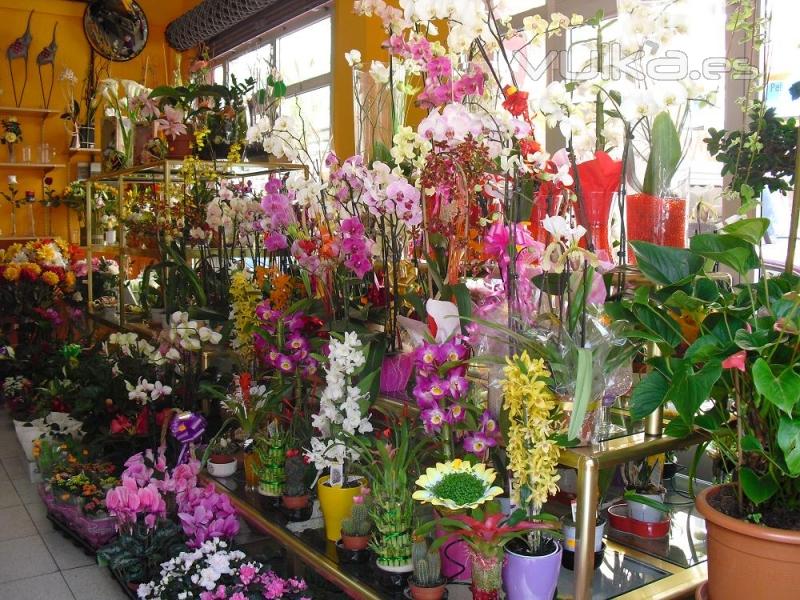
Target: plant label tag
<point>337,475</point>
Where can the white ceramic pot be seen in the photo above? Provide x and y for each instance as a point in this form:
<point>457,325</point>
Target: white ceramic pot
<point>570,532</point>
<point>222,469</point>
<point>27,434</point>
<point>111,237</point>
<point>642,512</point>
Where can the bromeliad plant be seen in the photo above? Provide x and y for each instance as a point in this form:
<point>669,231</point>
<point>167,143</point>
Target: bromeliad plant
<point>728,358</point>
<point>486,533</point>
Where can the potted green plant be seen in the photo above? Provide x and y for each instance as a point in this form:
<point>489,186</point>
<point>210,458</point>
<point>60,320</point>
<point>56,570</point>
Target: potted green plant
<point>271,451</point>
<point>387,464</point>
<point>644,492</point>
<point>427,582</point>
<point>728,363</point>
<point>299,475</point>
<point>222,460</point>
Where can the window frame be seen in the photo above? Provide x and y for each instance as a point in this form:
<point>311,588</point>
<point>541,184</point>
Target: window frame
<point>270,38</point>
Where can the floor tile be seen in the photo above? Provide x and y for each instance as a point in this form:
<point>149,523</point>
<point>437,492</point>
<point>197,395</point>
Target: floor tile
<point>44,587</point>
<point>93,583</point>
<point>23,558</point>
<point>9,447</point>
<point>38,514</point>
<point>15,523</point>
<point>26,490</point>
<point>16,467</point>
<point>8,495</point>
<point>66,554</point>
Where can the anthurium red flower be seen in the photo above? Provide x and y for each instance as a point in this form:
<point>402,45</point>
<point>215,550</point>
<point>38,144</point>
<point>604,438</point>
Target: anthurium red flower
<point>736,361</point>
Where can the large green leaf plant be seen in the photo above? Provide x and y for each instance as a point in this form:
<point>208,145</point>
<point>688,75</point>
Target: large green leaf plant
<point>727,356</point>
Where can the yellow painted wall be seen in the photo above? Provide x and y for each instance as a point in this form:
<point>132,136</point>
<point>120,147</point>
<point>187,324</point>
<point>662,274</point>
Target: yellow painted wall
<point>73,52</point>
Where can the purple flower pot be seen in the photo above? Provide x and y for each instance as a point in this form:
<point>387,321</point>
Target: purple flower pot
<point>395,372</point>
<point>455,557</point>
<point>531,577</point>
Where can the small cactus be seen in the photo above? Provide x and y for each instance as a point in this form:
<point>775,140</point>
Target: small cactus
<point>295,476</point>
<point>358,523</point>
<point>427,565</point>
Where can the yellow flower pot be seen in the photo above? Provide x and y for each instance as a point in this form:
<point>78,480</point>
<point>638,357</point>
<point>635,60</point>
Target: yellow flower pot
<point>336,504</point>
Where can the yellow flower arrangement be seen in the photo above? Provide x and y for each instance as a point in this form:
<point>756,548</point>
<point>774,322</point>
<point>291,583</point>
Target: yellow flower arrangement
<point>245,297</point>
<point>532,450</point>
<point>457,485</point>
<point>50,278</point>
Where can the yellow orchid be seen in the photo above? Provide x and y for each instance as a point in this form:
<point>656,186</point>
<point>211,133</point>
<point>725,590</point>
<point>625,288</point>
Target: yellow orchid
<point>457,485</point>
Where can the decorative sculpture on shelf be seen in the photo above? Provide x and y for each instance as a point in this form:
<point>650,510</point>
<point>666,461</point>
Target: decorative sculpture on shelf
<point>19,50</point>
<point>48,57</point>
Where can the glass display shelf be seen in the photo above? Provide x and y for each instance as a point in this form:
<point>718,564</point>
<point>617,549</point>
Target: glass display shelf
<point>627,571</point>
<point>171,169</point>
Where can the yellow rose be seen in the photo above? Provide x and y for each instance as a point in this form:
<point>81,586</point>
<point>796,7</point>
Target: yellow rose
<point>11,273</point>
<point>50,278</point>
<point>11,137</point>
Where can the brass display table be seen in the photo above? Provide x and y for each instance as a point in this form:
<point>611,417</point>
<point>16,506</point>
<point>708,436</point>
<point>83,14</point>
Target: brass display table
<point>632,568</point>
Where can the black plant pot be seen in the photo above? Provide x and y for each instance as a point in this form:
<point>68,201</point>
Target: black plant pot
<point>86,136</point>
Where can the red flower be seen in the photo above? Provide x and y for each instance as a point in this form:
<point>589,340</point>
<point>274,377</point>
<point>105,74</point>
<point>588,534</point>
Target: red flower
<point>516,101</point>
<point>735,361</point>
<point>120,424</point>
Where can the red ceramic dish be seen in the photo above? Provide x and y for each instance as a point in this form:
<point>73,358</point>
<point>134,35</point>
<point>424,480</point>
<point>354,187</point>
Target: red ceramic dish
<point>619,519</point>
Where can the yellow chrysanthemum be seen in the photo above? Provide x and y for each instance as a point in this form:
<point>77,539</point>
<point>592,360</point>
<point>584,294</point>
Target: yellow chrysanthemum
<point>532,453</point>
<point>11,273</point>
<point>50,278</point>
<point>457,485</point>
<point>11,137</point>
<point>46,254</point>
<point>69,279</point>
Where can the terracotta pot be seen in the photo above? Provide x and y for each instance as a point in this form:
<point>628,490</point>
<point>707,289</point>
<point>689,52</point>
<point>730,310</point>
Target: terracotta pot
<point>426,593</point>
<point>701,593</point>
<point>295,502</point>
<point>181,146</point>
<point>747,560</point>
<point>355,542</point>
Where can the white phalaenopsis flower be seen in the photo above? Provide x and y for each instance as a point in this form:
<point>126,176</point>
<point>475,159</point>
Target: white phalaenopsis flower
<point>353,58</point>
<point>560,229</point>
<point>379,72</point>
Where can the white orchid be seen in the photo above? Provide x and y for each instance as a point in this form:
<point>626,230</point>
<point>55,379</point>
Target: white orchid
<point>558,227</point>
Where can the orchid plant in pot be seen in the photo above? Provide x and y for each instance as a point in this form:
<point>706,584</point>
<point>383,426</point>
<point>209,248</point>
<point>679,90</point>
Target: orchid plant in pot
<point>728,363</point>
<point>342,417</point>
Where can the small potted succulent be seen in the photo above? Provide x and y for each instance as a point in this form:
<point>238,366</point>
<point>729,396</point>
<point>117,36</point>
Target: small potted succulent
<point>222,460</point>
<point>296,489</point>
<point>357,527</point>
<point>427,582</point>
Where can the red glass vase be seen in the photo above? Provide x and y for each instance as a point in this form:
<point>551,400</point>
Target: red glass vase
<point>595,218</point>
<point>656,220</point>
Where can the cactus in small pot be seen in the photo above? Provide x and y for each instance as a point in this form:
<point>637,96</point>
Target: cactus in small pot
<point>295,489</point>
<point>357,527</point>
<point>427,582</point>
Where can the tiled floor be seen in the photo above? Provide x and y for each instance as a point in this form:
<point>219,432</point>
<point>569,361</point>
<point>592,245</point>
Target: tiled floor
<point>36,561</point>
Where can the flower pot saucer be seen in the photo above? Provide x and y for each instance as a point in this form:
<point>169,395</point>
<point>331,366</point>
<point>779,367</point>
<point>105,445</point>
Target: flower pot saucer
<point>618,519</point>
<point>568,558</point>
<point>296,515</point>
<point>351,556</point>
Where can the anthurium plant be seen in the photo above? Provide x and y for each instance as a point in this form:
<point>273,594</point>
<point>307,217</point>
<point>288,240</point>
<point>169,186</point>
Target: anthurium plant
<point>728,359</point>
